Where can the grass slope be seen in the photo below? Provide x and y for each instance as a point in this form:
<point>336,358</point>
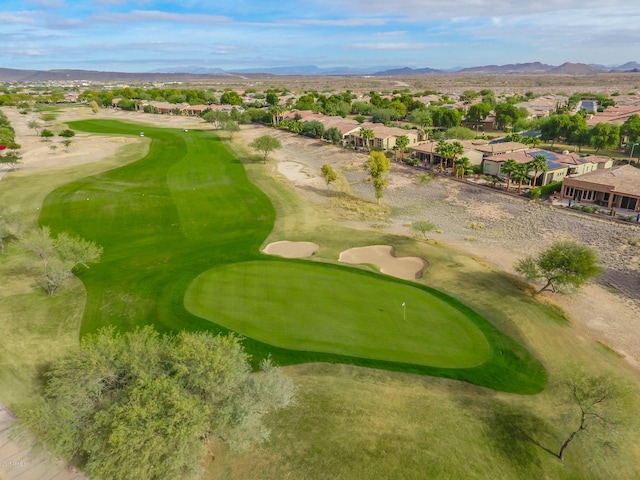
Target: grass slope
<point>187,207</point>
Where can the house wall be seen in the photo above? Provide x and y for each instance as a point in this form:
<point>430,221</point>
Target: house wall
<point>597,194</point>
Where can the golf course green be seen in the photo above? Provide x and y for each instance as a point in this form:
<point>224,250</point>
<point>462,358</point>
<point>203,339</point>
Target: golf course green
<point>181,230</point>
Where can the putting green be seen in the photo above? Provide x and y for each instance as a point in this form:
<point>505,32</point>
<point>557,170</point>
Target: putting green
<point>316,308</point>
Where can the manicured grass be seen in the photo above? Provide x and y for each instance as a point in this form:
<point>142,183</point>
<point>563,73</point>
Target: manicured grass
<point>187,207</point>
<point>318,308</point>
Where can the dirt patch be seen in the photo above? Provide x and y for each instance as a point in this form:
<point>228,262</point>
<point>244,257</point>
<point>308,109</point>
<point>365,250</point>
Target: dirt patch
<point>289,249</point>
<point>407,268</point>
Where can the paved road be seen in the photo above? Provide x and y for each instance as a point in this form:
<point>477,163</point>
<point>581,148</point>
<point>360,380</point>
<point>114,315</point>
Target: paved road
<point>18,460</point>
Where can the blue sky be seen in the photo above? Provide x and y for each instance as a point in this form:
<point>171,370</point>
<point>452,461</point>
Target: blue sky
<point>145,35</point>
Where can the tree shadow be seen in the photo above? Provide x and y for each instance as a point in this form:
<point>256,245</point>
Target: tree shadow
<point>515,432</point>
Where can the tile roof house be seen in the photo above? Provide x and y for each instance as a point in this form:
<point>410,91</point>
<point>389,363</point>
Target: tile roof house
<point>559,165</point>
<point>426,152</point>
<point>384,137</point>
<point>616,115</point>
<point>617,187</point>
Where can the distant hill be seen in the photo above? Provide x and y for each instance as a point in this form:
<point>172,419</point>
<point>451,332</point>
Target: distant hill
<point>629,66</point>
<point>407,71</point>
<point>575,69</point>
<point>521,68</point>
<point>195,74</point>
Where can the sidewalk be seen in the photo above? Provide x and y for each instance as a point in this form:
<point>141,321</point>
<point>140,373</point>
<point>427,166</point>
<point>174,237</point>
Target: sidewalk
<point>18,461</point>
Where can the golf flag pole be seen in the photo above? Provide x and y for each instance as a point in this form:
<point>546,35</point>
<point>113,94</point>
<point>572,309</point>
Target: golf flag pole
<point>404,310</point>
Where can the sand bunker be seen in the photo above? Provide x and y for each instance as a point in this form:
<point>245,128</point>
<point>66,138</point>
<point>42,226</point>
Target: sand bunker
<point>407,268</point>
<point>293,170</point>
<point>289,249</point>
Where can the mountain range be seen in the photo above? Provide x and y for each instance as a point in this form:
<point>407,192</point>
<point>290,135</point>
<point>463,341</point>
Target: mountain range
<point>202,73</point>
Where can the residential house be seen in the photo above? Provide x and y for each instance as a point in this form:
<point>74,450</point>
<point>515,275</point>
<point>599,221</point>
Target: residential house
<point>556,171</point>
<point>384,137</point>
<point>426,152</point>
<point>616,115</point>
<point>559,165</point>
<point>617,188</point>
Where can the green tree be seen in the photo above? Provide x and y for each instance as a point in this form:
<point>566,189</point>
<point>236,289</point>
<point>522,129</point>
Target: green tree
<point>378,165</point>
<point>507,114</point>
<point>402,143</point>
<point>564,266</point>
<point>231,127</point>
<point>272,98</point>
<point>329,175</point>
<point>59,256</point>
<point>631,128</point>
<point>604,135</point>
<point>265,145</point>
<point>538,164</point>
<point>461,165</point>
<point>230,97</point>
<point>46,133</point>
<point>455,149</point>
<point>333,135</point>
<point>422,117</point>
<point>141,405</point>
<point>10,159</point>
<point>366,134</point>
<point>444,117</point>
<point>93,105</point>
<point>423,227</point>
<point>313,129</point>
<point>215,117</point>
<point>460,133</point>
<point>443,149</point>
<point>477,113</point>
<point>35,126</point>
<point>67,133</point>
<point>508,167</point>
<point>520,174</point>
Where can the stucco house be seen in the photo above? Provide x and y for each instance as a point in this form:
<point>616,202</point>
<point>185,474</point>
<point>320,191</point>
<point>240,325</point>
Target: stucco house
<point>384,137</point>
<point>617,187</point>
<point>426,152</point>
<point>559,165</point>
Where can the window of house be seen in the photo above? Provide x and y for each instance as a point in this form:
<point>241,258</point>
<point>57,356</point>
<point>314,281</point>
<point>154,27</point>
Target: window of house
<point>588,195</point>
<point>568,192</point>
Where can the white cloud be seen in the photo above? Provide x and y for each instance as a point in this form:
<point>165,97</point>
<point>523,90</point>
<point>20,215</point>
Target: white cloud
<point>391,46</point>
<point>159,16</point>
<point>55,4</point>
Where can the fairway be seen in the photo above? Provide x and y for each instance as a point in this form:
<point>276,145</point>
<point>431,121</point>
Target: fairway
<point>315,307</point>
<point>181,230</point>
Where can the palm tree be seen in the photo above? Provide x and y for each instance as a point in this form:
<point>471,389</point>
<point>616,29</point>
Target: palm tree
<point>509,167</point>
<point>444,150</point>
<point>456,149</point>
<point>276,114</point>
<point>520,174</point>
<point>461,165</point>
<point>538,164</point>
<point>402,142</point>
<point>367,134</point>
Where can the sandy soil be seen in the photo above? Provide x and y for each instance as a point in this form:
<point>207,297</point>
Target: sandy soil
<point>382,256</point>
<point>289,249</point>
<point>489,225</point>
